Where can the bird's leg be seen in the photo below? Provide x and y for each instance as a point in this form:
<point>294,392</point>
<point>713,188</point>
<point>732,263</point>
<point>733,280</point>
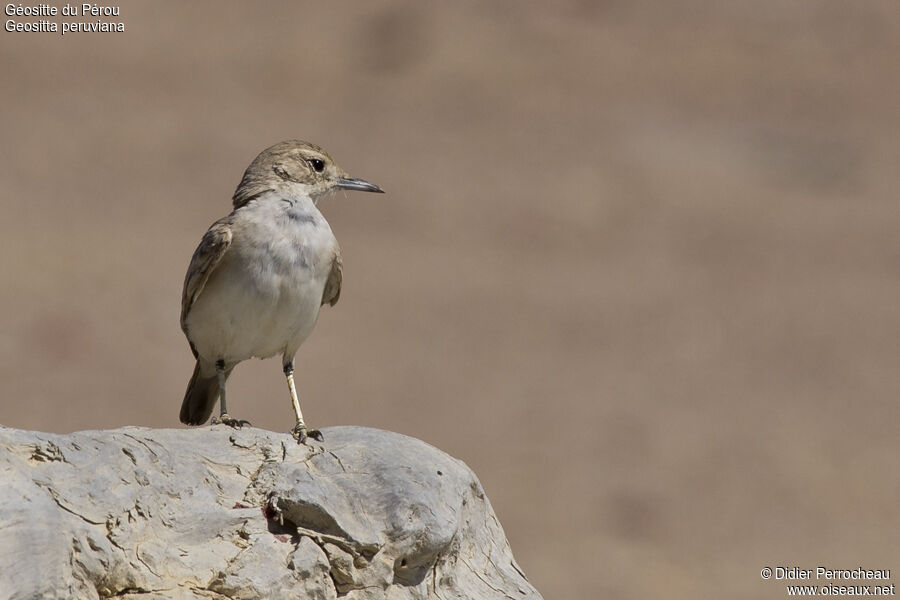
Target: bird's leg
<point>223,417</point>
<point>299,431</point>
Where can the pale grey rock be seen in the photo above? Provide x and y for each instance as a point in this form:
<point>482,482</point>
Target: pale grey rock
<point>145,514</point>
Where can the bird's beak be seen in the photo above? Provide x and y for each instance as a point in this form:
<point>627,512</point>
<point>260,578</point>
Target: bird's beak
<point>352,183</point>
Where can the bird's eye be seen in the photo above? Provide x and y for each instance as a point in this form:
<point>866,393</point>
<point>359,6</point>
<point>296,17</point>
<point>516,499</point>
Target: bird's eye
<point>318,165</point>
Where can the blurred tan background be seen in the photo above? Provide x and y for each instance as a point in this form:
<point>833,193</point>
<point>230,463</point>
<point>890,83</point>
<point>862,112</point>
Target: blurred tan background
<point>638,264</point>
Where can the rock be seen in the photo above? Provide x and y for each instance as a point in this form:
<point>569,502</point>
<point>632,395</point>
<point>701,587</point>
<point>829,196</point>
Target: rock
<point>220,513</point>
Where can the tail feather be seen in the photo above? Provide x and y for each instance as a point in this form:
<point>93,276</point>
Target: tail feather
<point>200,398</point>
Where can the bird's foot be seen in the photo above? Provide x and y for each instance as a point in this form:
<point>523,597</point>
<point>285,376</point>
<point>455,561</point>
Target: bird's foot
<point>227,420</point>
<point>301,433</point>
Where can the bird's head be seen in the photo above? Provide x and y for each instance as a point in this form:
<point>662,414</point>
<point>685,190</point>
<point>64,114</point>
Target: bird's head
<point>297,167</point>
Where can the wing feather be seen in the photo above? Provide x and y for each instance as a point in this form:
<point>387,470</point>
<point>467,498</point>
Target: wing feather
<point>335,278</point>
<point>206,257</point>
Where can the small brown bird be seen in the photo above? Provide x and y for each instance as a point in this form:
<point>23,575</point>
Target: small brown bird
<point>259,276</point>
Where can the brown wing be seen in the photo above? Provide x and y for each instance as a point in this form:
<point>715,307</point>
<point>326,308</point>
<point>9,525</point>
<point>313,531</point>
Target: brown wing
<point>206,257</point>
<point>333,285</point>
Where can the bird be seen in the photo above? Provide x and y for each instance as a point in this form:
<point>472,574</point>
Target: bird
<point>259,276</point>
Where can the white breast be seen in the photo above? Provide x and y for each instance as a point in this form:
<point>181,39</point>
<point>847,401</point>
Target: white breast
<point>264,297</point>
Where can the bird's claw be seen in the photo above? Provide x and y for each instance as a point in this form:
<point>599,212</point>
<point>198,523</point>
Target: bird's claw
<point>301,433</point>
<point>231,422</point>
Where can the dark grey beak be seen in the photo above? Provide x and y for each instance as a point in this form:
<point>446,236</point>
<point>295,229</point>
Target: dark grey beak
<point>352,183</point>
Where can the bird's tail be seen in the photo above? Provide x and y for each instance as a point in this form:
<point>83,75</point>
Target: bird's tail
<point>200,397</point>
